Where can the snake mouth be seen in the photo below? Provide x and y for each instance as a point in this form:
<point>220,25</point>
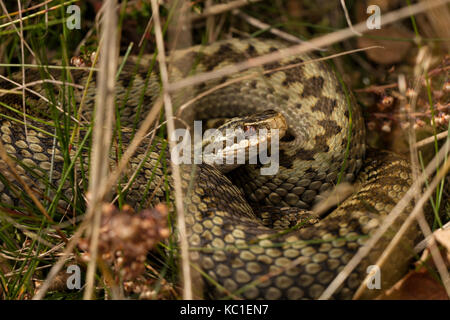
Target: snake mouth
<point>242,139</point>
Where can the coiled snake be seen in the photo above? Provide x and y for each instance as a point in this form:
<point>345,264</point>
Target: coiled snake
<point>236,237</point>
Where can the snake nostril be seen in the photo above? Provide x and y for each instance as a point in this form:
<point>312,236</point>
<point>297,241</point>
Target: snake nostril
<point>288,137</point>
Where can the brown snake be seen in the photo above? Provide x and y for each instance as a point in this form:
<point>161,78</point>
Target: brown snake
<point>235,231</point>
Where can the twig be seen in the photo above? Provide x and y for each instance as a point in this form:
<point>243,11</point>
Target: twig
<point>209,22</point>
<point>377,89</point>
<point>63,258</point>
<point>431,139</point>
<point>221,8</point>
<point>15,28</point>
<point>393,215</point>
<point>47,66</point>
<point>140,134</point>
<point>264,26</point>
<point>33,83</point>
<point>255,74</point>
<point>219,27</point>
<point>22,53</point>
<point>37,93</point>
<point>438,19</point>
<point>347,17</point>
<point>304,47</point>
<point>13,22</point>
<point>45,3</point>
<point>106,187</point>
<point>440,264</point>
<point>420,69</point>
<point>387,222</point>
<point>25,231</point>
<point>105,104</point>
<point>139,166</point>
<point>187,282</point>
<point>147,29</point>
<point>426,242</point>
<point>4,156</point>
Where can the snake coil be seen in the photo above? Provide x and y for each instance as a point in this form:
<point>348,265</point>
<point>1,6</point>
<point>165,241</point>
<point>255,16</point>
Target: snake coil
<point>243,235</point>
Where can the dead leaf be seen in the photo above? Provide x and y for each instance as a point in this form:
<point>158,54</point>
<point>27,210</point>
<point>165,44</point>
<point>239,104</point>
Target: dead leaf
<point>421,285</point>
<point>443,237</point>
<point>393,51</point>
<point>416,285</point>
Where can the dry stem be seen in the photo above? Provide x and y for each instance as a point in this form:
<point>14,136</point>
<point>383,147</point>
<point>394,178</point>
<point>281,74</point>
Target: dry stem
<point>185,266</point>
<point>105,104</point>
<point>322,41</point>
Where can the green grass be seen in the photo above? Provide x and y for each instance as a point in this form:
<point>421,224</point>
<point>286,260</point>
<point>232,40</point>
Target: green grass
<point>67,135</point>
<point>18,223</point>
<point>437,202</point>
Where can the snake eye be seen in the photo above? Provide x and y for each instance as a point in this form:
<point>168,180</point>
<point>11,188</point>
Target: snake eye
<point>249,130</point>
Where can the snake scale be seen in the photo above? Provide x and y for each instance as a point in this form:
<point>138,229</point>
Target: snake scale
<point>237,244</point>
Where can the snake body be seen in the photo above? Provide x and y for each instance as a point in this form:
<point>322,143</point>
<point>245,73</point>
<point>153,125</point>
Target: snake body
<point>237,245</point>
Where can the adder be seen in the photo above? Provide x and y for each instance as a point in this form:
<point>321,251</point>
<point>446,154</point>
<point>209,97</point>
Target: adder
<point>250,235</point>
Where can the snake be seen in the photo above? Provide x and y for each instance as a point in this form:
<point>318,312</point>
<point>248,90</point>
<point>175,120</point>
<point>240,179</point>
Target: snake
<point>250,236</point>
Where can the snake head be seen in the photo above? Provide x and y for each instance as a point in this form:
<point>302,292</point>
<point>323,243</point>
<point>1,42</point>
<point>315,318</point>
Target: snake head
<point>242,139</point>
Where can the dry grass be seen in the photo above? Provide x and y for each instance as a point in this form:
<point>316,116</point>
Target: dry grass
<point>104,115</point>
<point>319,42</point>
<point>101,181</point>
<point>185,266</point>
